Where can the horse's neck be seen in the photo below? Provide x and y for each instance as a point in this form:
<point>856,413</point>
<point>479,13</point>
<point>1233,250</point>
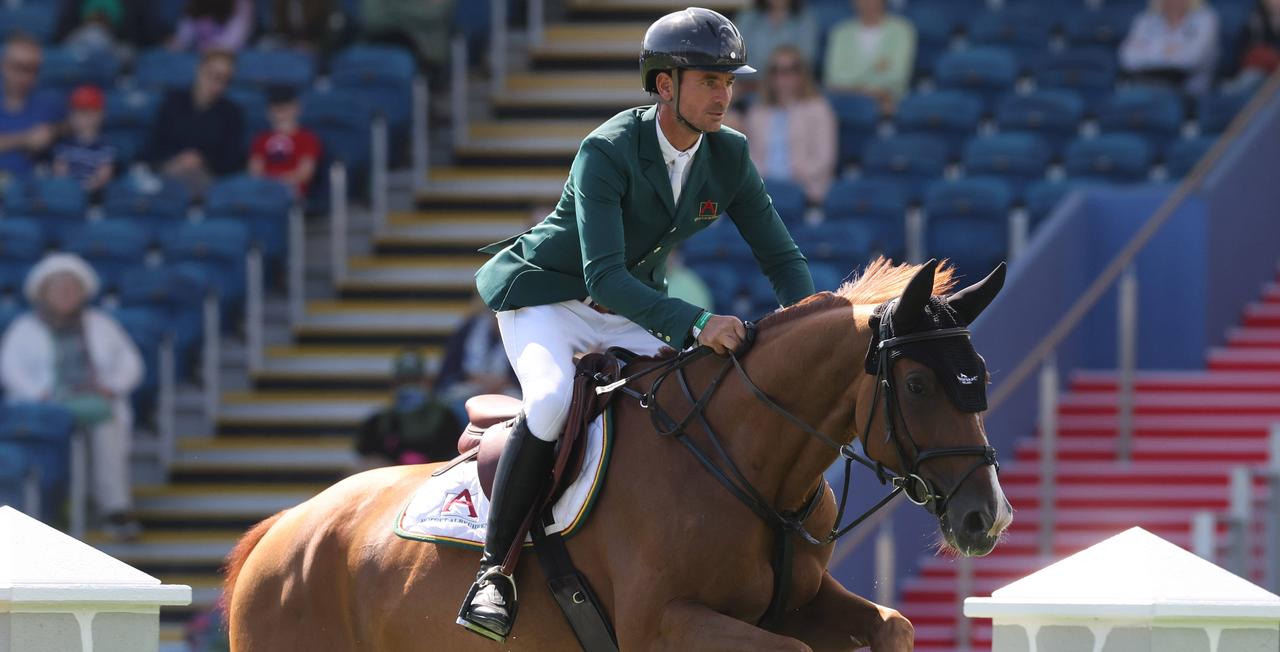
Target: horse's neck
<point>810,367</point>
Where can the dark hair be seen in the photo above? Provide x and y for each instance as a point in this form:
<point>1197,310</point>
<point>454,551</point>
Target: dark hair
<point>219,10</point>
<point>795,6</point>
<point>210,55</point>
<point>278,95</point>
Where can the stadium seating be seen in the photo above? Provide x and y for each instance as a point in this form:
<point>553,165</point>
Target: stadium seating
<point>719,243</point>
<point>22,244</point>
<point>987,72</point>
<point>880,205</point>
<point>1217,110</point>
<point>912,159</point>
<point>219,247</point>
<point>252,103</point>
<point>724,282</point>
<point>341,120</point>
<point>843,244</point>
<point>1103,28</point>
<point>146,327</point>
<point>952,116</point>
<point>43,431</point>
<point>262,205</point>
<point>1117,158</point>
<point>1021,30</point>
<point>857,117</point>
<point>9,311</point>
<point>162,70</point>
<point>972,197</point>
<point>156,202</point>
<point>788,199</point>
<point>933,36</point>
<point>1043,196</point>
<point>382,76</point>
<point>1019,158</point>
<point>110,246</point>
<point>56,203</point>
<point>1089,72</point>
<point>37,19</point>
<point>1054,115</point>
<point>1183,155</point>
<point>14,470</point>
<point>267,68</point>
<point>1154,114</point>
<point>471,21</point>
<point>127,121</point>
<point>968,223</point>
<point>64,68</point>
<point>176,292</point>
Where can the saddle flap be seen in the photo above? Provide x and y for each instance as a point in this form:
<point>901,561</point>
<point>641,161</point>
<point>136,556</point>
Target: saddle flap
<point>491,443</point>
<point>483,412</point>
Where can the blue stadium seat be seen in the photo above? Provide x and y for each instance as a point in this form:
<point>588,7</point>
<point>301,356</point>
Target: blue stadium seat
<point>857,117</point>
<point>262,205</point>
<point>1183,155</point>
<point>1217,110</point>
<point>252,103</point>
<point>1232,18</point>
<point>37,19</point>
<point>146,327</point>
<point>1089,72</point>
<point>22,244</point>
<point>341,120</point>
<point>880,205</point>
<point>1054,115</point>
<point>110,246</point>
<point>719,243</point>
<point>1155,114</point>
<point>987,72</point>
<point>1103,28</point>
<point>1042,198</point>
<point>1018,158</point>
<point>219,246</point>
<point>14,469</point>
<point>471,20</point>
<point>1116,158</point>
<point>57,203</point>
<point>383,75</point>
<point>43,430</point>
<point>724,280</point>
<point>951,116</point>
<point>9,311</point>
<point>827,278</point>
<point>843,244</point>
<point>158,207</point>
<point>267,68</point>
<point>127,121</point>
<point>933,36</point>
<point>1022,30</point>
<point>66,68</point>
<point>912,159</point>
<point>162,69</point>
<point>176,292</point>
<point>968,223</point>
<point>788,199</point>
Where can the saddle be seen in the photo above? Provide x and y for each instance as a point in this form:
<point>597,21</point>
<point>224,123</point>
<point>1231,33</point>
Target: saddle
<point>491,417</point>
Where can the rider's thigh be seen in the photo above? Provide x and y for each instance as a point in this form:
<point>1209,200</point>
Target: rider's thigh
<point>540,342</point>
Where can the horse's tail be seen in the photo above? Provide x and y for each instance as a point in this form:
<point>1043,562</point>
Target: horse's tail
<point>238,555</point>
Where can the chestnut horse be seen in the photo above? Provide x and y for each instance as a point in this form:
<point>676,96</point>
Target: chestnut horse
<point>677,561</point>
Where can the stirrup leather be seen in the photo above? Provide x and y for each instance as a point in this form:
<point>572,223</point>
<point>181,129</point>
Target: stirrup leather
<point>464,614</point>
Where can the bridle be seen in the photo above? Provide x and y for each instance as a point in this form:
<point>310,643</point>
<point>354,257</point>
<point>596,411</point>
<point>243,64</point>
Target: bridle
<point>912,483</point>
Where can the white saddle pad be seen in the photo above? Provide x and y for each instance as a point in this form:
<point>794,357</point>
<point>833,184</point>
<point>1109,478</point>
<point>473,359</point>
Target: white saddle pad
<point>451,509</point>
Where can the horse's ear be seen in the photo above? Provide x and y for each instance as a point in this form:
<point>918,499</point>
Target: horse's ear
<point>911,305</point>
<point>971,301</point>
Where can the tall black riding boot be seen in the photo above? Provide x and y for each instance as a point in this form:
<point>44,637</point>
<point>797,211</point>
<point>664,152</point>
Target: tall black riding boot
<point>523,471</point>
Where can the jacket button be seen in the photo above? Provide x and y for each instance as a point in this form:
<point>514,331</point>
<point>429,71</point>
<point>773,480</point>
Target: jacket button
<point>657,249</point>
<point>668,338</point>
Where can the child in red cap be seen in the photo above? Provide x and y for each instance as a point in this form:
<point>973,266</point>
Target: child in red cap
<point>288,152</point>
<point>84,156</point>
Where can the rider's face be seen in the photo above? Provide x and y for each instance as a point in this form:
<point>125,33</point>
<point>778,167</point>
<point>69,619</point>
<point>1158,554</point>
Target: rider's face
<point>704,97</point>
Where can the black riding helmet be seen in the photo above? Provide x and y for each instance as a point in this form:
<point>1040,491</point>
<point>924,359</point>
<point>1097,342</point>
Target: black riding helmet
<point>696,39</point>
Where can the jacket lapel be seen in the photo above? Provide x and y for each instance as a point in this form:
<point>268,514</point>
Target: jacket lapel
<point>655,169</point>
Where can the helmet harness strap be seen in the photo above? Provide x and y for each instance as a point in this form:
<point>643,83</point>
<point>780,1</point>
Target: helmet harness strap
<point>675,97</point>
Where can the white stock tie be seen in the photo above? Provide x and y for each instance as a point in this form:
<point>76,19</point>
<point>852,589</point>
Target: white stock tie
<point>677,174</point>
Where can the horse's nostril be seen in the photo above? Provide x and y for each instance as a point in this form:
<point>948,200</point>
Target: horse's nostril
<point>975,523</point>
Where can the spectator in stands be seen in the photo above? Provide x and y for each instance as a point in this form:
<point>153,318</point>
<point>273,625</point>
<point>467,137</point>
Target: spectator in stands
<point>310,25</point>
<point>125,24</point>
<point>771,23</point>
<point>96,30</point>
<point>791,129</point>
<point>416,428</point>
<point>67,352</point>
<point>197,134</point>
<point>423,25</point>
<point>214,25</point>
<point>475,361</point>
<point>84,156</point>
<point>288,152</point>
<point>871,54</point>
<point>1173,42</point>
<point>29,118</point>
<point>1261,45</point>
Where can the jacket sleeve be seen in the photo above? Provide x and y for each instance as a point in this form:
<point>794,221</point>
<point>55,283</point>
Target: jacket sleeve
<point>18,362</point>
<point>598,189</point>
<point>779,258</point>
<point>122,370</point>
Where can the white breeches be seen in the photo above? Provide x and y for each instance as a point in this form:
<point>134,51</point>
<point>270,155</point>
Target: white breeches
<point>541,342</point>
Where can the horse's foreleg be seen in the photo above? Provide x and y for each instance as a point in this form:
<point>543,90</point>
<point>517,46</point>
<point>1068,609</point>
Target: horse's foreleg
<point>839,620</point>
<point>685,625</point>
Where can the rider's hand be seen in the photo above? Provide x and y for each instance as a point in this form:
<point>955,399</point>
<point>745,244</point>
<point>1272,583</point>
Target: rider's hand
<point>723,333</point>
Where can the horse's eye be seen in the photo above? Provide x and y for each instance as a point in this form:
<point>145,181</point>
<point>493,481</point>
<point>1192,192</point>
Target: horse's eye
<point>915,387</point>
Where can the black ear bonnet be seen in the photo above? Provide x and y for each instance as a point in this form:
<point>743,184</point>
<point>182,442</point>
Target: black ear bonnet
<point>960,370</point>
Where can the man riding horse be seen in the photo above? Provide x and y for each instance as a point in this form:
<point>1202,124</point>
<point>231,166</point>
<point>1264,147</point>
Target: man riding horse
<point>591,274</point>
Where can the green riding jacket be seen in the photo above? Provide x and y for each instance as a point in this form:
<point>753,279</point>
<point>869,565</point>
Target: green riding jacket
<point>616,222</point>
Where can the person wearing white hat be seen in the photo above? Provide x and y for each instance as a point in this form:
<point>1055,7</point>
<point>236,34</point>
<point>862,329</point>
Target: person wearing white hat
<point>67,352</point>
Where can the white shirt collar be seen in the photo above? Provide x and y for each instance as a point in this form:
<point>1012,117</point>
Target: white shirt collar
<point>669,151</point>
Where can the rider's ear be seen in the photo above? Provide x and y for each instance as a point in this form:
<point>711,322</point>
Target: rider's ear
<point>911,305</point>
<point>664,85</point>
<point>971,301</point>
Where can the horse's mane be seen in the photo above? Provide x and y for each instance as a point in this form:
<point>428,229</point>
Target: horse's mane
<point>881,281</point>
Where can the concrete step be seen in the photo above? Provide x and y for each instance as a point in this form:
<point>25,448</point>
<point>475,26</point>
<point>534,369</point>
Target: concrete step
<point>1172,403</point>
<point>315,412</point>
<point>1193,382</point>
<point>492,187</point>
<point>1253,338</point>
<point>383,321</point>
<point>1209,450</point>
<point>332,367</point>
<point>171,548</point>
<point>1262,315</point>
<point>235,458</point>
<point>408,235</point>
<point>215,502</point>
<point>589,45</point>
<point>1244,359</point>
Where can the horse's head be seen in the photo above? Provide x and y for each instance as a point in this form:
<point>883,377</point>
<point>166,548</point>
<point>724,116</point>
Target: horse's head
<point>925,396</point>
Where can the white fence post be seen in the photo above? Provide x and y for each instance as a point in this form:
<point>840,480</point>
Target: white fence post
<point>420,124</point>
<point>537,19</point>
<point>458,90</point>
<point>1241,514</point>
<point>1048,452</point>
<point>338,222</point>
<point>211,363</point>
<point>253,310</point>
<point>885,562</point>
<point>167,404</point>
<point>79,483</point>
<point>1019,233</point>
<point>498,45</point>
<point>1204,535</point>
<point>380,155</point>
<point>1127,352</point>
<point>297,266</point>
<point>1272,546</point>
<point>964,588</point>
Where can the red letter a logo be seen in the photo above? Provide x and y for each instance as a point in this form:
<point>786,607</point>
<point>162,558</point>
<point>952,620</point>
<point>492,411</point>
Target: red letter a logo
<point>464,498</point>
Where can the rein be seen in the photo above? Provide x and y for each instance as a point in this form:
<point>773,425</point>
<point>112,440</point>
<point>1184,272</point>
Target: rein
<point>918,489</point>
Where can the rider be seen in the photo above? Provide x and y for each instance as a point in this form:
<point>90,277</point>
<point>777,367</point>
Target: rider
<point>591,274</point>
